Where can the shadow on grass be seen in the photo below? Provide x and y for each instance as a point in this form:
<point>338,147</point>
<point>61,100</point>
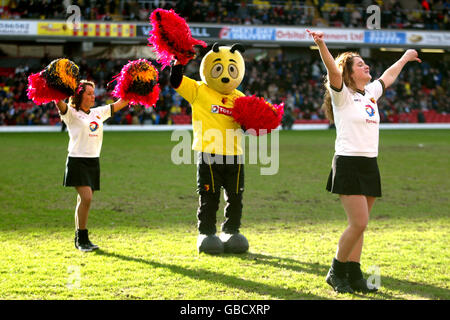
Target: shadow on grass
<point>408,287</point>
<point>215,277</point>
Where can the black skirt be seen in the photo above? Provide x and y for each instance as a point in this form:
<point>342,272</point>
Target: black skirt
<point>82,172</point>
<point>355,176</point>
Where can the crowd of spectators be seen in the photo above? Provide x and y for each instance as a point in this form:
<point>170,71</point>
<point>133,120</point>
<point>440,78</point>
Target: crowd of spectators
<point>432,15</point>
<point>297,83</point>
<point>420,14</point>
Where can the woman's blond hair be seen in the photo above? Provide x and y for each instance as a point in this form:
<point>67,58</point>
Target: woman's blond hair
<point>75,100</point>
<point>344,62</point>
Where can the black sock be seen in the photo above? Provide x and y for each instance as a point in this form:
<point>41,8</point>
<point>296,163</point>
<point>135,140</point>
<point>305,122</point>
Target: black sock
<point>339,268</point>
<point>354,271</point>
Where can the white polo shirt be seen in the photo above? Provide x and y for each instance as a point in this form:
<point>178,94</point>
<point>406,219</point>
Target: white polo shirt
<point>357,119</point>
<point>86,130</point>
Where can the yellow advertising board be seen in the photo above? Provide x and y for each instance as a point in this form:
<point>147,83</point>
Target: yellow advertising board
<point>53,29</point>
<point>115,30</point>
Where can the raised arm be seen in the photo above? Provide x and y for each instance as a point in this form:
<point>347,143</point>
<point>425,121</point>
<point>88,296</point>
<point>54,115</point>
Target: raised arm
<point>334,75</point>
<point>62,106</point>
<point>176,74</point>
<point>391,74</point>
<point>119,104</point>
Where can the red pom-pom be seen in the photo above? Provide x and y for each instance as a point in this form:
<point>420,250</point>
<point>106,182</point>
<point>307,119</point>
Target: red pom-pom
<point>39,91</point>
<point>257,114</point>
<point>57,81</point>
<point>171,37</point>
<point>138,83</point>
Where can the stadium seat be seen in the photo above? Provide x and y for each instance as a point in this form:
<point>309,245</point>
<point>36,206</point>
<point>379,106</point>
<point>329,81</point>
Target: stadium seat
<point>54,121</point>
<point>23,105</point>
<point>181,119</point>
<point>320,121</point>
<point>6,72</point>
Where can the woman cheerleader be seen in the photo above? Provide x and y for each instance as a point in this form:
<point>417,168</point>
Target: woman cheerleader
<point>351,103</point>
<point>137,83</point>
<point>85,127</point>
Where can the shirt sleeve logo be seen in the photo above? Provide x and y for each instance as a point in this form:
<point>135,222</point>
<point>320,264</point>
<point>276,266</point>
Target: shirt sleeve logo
<point>93,126</point>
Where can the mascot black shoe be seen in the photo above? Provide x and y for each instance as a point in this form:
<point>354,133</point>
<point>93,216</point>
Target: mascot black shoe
<point>234,242</point>
<point>210,244</point>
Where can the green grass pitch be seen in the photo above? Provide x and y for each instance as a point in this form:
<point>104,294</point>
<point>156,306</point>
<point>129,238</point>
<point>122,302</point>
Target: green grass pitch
<point>144,220</point>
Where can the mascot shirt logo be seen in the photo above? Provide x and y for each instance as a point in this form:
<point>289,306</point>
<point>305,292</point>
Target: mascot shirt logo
<point>93,126</point>
<point>220,110</point>
<point>370,110</point>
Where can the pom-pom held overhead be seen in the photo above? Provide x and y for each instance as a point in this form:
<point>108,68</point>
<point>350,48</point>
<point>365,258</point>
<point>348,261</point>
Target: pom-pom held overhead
<point>257,114</point>
<point>171,37</point>
<point>57,81</point>
<point>138,83</point>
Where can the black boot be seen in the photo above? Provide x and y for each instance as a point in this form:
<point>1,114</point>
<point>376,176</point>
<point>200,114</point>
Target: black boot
<point>356,279</point>
<point>82,241</point>
<point>337,277</point>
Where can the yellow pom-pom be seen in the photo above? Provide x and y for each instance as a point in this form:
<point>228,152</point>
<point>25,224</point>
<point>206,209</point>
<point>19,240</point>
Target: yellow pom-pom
<point>64,70</point>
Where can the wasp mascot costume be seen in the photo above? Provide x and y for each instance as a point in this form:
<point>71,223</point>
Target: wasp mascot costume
<point>219,113</point>
<point>219,160</point>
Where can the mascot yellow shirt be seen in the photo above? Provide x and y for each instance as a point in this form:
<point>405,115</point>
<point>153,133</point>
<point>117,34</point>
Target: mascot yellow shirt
<point>215,130</point>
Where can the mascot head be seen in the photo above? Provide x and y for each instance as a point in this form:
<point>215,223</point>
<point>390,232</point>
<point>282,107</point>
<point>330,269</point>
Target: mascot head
<point>223,68</point>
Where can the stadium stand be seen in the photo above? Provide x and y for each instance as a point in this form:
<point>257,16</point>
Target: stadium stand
<point>419,95</point>
<point>421,90</point>
<point>396,14</point>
